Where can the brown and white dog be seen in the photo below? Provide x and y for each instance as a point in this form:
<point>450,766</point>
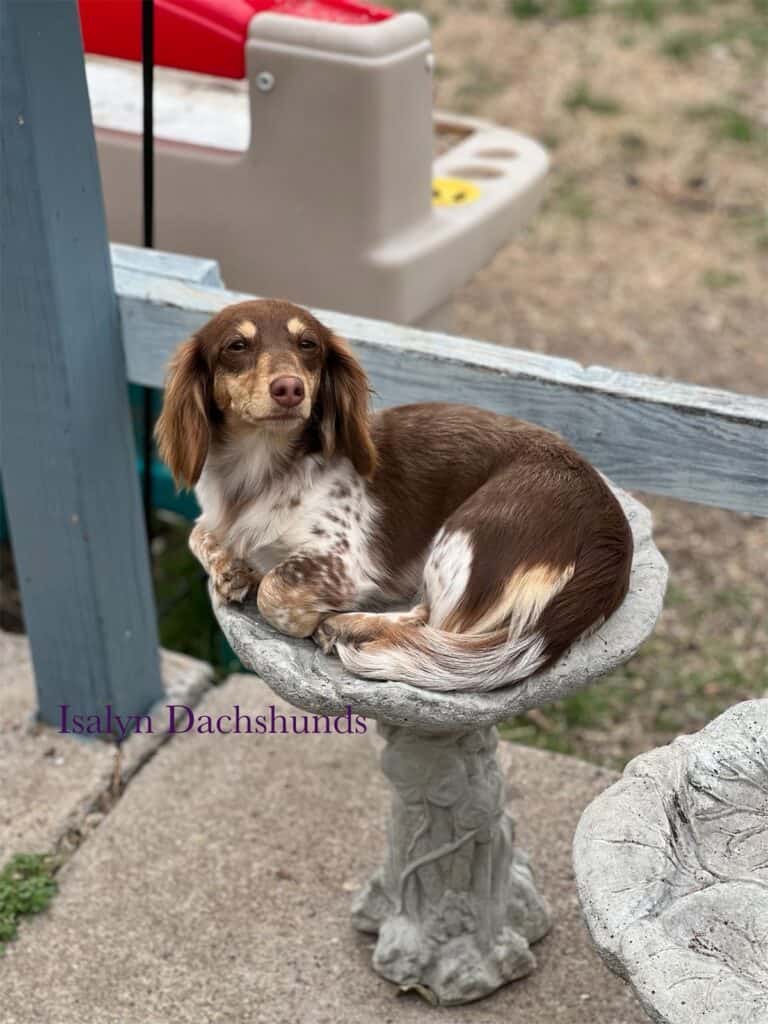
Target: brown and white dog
<point>506,542</point>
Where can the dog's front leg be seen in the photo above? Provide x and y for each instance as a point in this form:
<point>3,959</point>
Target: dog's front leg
<point>296,595</point>
<point>231,578</point>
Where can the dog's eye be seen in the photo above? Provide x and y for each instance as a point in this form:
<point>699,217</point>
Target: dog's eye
<point>238,345</point>
<point>307,343</point>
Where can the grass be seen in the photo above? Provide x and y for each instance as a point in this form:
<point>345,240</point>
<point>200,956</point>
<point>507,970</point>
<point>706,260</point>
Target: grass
<point>673,699</point>
<point>569,9</point>
<point>27,886</point>
<point>633,144</point>
<point>525,9</point>
<point>709,692</point>
<point>717,279</point>
<point>648,11</point>
<point>550,140</point>
<point>728,123</point>
<point>752,32</point>
<point>570,198</point>
<point>564,10</point>
<point>682,44</point>
<point>477,85</point>
<point>186,621</point>
<point>685,44</point>
<point>754,226</point>
<point>555,729</point>
<point>737,127</point>
<point>676,683</point>
<point>581,97</point>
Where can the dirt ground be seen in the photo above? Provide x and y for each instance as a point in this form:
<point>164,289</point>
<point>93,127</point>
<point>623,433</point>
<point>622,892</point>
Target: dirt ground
<point>649,254</point>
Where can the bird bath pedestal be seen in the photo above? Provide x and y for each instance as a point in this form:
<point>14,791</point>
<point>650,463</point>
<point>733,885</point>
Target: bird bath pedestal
<point>454,904</point>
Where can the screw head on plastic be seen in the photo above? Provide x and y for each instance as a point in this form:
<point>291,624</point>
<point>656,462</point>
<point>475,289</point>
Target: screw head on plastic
<point>265,81</point>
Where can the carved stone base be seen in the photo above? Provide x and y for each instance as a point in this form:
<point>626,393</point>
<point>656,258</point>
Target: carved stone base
<point>454,905</point>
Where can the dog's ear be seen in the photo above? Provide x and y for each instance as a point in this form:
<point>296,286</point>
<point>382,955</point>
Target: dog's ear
<point>183,429</point>
<point>344,393</point>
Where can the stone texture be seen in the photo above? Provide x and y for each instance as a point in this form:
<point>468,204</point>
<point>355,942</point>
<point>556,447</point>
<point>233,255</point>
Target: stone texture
<point>53,786</point>
<point>218,890</point>
<point>672,869</point>
<point>454,905</point>
<point>298,671</point>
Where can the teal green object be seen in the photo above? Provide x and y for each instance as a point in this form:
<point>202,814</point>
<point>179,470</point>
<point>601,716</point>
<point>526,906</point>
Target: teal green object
<point>164,493</point>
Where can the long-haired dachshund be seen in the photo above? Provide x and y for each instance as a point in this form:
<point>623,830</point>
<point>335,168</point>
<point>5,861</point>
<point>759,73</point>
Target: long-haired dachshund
<point>506,544</point>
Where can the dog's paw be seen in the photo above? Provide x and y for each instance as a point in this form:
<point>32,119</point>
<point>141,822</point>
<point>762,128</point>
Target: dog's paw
<point>349,628</point>
<point>233,581</point>
<point>336,629</point>
<point>325,637</point>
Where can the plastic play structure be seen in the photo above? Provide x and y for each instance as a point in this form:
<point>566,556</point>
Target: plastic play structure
<point>296,143</point>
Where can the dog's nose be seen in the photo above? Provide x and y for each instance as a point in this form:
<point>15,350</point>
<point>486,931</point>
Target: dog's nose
<point>287,391</point>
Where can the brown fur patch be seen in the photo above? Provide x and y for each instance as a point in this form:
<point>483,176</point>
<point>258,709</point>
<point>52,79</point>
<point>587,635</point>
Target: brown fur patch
<point>295,595</point>
<point>522,493</point>
<point>183,431</point>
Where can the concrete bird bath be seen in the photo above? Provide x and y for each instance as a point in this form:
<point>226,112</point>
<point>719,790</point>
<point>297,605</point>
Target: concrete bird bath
<point>672,871</point>
<point>454,904</point>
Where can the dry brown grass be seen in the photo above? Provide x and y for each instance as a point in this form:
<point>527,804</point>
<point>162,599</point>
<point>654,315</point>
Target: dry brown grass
<point>650,254</point>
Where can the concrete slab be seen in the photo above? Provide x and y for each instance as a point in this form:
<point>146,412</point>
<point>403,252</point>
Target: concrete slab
<point>218,890</point>
<point>56,787</point>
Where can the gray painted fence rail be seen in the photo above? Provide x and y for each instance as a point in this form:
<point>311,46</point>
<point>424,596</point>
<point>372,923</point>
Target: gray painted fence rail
<point>664,437</point>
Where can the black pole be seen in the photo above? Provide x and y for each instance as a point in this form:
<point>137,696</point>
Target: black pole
<point>148,75</point>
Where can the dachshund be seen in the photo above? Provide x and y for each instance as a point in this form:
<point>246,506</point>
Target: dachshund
<point>435,544</point>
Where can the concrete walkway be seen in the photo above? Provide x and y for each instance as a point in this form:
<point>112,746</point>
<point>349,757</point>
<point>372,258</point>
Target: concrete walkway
<point>54,788</point>
<point>218,888</point>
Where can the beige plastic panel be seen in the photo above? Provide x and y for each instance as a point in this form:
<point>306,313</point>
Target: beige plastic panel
<point>317,185</point>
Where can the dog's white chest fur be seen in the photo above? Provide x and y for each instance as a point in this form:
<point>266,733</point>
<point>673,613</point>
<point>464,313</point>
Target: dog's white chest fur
<point>318,507</point>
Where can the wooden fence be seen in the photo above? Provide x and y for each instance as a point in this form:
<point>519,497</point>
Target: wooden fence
<point>664,437</point>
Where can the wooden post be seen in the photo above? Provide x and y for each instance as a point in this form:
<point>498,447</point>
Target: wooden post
<point>67,449</point>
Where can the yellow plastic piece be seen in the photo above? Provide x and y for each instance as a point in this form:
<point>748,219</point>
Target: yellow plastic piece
<point>453,192</point>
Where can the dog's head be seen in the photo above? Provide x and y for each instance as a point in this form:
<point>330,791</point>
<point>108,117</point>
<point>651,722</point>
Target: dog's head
<point>267,366</point>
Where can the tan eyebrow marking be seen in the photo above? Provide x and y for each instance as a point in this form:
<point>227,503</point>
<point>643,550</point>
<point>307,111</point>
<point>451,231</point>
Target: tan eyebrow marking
<point>247,328</point>
<point>295,326</point>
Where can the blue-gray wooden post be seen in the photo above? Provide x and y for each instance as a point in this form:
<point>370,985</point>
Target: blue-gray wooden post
<point>67,448</point>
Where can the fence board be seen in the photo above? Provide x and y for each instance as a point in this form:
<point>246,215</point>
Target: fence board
<point>67,448</point>
<point>664,437</point>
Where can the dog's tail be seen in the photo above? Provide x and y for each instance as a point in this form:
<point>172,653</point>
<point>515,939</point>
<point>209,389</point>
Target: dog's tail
<point>434,658</point>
